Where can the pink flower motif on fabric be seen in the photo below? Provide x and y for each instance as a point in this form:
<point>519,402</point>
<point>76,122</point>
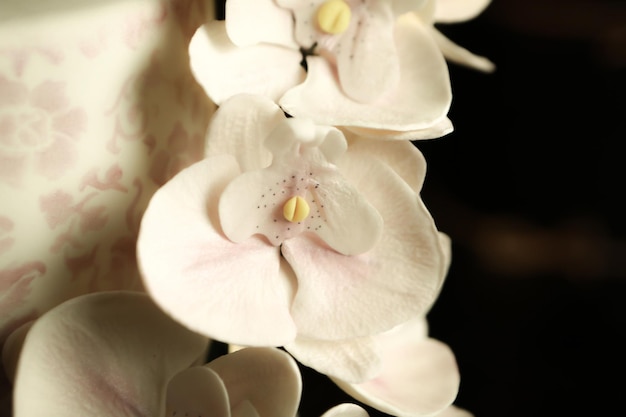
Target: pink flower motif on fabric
<point>15,283</point>
<point>136,27</point>
<point>59,209</point>
<point>6,226</point>
<point>20,56</point>
<point>38,125</point>
<point>182,150</point>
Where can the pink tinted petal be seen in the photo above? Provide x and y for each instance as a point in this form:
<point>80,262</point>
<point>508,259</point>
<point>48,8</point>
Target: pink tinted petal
<point>437,130</point>
<point>107,354</point>
<point>346,410</point>
<point>409,163</point>
<point>450,11</point>
<point>250,22</point>
<point>197,391</point>
<point>267,378</point>
<point>421,100</point>
<point>367,59</point>
<point>237,293</point>
<point>238,128</point>
<point>419,375</point>
<point>354,360</point>
<point>460,55</point>
<point>397,279</point>
<point>224,69</point>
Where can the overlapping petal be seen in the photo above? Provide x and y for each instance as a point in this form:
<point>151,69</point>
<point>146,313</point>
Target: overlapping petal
<point>419,375</point>
<point>351,360</point>
<point>252,22</point>
<point>102,354</point>
<point>402,272</point>
<point>224,69</point>
<point>368,65</point>
<point>268,379</point>
<point>421,100</point>
<point>118,354</point>
<point>235,292</point>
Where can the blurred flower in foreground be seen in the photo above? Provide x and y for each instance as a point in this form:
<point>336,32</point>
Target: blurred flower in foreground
<point>117,354</point>
<point>383,71</point>
<point>306,237</point>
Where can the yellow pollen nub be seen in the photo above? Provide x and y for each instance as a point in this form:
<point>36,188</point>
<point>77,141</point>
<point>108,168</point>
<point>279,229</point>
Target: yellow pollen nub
<point>333,16</point>
<point>296,209</point>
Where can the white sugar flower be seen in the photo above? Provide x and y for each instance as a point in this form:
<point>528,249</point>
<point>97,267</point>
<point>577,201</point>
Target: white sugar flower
<point>305,237</point>
<point>117,354</point>
<point>380,69</point>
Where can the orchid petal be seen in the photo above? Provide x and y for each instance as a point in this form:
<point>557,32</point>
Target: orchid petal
<point>426,14</point>
<point>237,126</point>
<point>11,349</point>
<point>453,411</point>
<point>251,22</point>
<point>244,409</point>
<point>404,6</point>
<point>402,156</point>
<point>394,281</point>
<point>451,11</point>
<point>421,100</point>
<point>108,353</point>
<point>346,410</point>
<point>353,360</point>
<point>441,128</point>
<point>197,391</point>
<point>253,202</point>
<point>460,55</point>
<point>201,278</point>
<point>366,56</point>
<point>267,378</point>
<point>304,15</point>
<point>419,375</point>
<point>224,69</point>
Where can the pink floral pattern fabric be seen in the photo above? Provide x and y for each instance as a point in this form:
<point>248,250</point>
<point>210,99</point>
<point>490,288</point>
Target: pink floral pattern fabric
<point>98,108</point>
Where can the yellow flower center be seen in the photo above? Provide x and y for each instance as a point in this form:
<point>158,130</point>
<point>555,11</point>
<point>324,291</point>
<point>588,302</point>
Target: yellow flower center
<point>296,209</point>
<point>333,16</point>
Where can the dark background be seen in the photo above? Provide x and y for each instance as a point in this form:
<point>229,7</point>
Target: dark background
<point>530,188</point>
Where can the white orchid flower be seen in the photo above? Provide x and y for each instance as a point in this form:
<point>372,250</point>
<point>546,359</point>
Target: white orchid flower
<point>383,71</point>
<point>225,248</point>
<point>117,354</point>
